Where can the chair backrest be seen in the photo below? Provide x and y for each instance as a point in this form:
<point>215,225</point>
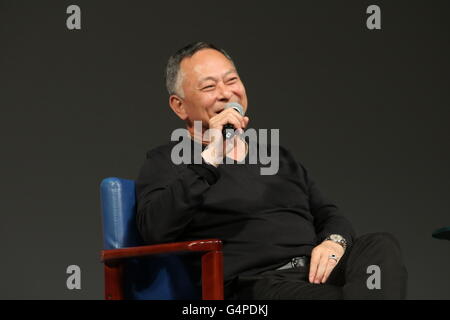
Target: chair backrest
<point>161,277</point>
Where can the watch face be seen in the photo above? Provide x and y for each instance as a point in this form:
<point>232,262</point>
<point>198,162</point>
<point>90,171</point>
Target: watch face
<point>336,237</point>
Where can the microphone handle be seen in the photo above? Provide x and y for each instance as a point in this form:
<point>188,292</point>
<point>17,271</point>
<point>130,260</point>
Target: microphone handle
<point>225,134</point>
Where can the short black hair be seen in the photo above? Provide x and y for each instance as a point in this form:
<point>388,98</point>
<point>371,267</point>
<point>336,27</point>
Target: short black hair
<point>173,65</point>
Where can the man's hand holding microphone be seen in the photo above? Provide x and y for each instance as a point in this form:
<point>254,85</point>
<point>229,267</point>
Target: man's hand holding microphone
<point>221,142</point>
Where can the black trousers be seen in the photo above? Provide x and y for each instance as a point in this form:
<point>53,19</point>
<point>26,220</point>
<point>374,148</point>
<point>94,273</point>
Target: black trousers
<point>372,268</point>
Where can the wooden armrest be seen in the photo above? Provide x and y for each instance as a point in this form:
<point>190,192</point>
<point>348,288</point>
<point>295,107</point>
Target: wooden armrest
<point>186,246</point>
<point>212,265</point>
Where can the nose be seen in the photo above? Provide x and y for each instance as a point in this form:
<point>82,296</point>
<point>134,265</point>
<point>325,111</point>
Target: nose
<point>225,93</point>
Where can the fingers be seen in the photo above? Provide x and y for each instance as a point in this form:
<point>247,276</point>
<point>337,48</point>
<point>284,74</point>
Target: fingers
<point>246,119</point>
<point>237,120</point>
<point>313,265</point>
<point>230,144</point>
<point>330,266</point>
<point>228,116</point>
<point>321,266</point>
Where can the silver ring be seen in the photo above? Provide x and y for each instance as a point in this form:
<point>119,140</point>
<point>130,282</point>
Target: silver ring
<point>333,256</point>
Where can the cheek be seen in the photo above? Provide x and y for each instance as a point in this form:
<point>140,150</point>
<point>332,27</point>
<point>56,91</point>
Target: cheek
<point>209,100</point>
<point>206,104</point>
<point>240,89</point>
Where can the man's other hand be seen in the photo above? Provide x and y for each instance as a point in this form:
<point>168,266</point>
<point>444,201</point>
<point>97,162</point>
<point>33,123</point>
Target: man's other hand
<point>321,265</point>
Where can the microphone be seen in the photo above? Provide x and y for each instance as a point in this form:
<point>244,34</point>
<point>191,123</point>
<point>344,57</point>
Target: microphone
<point>228,129</point>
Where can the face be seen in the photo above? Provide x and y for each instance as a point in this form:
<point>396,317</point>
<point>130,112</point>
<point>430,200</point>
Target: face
<point>209,82</point>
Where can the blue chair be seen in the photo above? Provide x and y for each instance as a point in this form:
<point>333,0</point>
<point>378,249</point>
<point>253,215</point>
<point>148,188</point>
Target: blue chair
<point>152,272</point>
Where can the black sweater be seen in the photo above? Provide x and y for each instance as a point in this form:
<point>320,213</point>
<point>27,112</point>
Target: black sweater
<point>263,220</point>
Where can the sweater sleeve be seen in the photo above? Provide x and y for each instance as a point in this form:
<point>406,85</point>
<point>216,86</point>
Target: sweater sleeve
<point>327,217</point>
<point>168,196</point>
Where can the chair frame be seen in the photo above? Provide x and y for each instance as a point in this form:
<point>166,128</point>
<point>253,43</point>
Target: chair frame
<point>212,265</point>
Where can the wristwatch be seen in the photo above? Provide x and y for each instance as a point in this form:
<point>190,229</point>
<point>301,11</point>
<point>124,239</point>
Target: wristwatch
<point>338,239</point>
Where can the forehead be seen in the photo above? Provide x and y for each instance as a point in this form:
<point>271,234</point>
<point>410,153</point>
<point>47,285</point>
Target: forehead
<point>206,62</point>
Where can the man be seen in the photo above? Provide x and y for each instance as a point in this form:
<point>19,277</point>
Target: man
<point>282,239</point>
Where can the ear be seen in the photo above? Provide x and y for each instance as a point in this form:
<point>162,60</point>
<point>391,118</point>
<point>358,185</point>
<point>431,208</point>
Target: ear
<point>178,106</point>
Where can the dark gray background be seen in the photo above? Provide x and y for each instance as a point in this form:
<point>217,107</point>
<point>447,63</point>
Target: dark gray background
<point>366,111</point>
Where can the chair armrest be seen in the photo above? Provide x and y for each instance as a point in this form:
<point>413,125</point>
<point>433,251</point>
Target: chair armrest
<point>212,265</point>
<point>186,246</point>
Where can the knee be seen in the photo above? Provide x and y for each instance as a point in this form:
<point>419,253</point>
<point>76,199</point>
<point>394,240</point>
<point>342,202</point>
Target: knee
<point>383,239</point>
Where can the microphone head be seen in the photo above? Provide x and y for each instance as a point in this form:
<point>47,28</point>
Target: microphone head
<point>236,106</point>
